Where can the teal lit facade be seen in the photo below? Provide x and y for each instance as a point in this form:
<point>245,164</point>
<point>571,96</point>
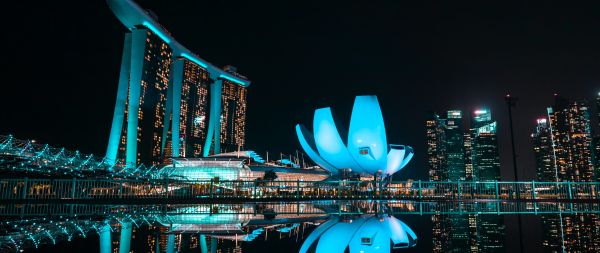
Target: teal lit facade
<point>364,150</point>
<point>164,109</point>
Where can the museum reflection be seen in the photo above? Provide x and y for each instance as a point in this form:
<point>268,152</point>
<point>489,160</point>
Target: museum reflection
<point>318,226</point>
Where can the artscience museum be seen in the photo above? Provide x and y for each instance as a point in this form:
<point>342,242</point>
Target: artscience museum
<point>363,149</point>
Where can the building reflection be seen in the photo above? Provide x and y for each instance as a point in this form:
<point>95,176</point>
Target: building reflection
<point>366,233</point>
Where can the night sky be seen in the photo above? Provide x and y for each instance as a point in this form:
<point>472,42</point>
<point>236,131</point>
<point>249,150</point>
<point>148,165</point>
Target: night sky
<point>60,63</point>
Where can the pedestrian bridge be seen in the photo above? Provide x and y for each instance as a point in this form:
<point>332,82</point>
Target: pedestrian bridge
<point>171,191</point>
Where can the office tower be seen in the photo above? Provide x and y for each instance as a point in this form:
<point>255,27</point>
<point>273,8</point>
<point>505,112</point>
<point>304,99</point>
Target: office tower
<point>169,100</point>
<point>544,155</point>
<point>468,156</point>
<point>455,145</point>
<point>568,157</point>
<point>484,146</point>
<point>446,160</point>
<point>572,139</point>
<point>436,148</point>
<point>485,160</point>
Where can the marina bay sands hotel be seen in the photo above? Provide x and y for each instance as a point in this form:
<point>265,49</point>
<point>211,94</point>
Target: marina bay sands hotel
<point>170,102</point>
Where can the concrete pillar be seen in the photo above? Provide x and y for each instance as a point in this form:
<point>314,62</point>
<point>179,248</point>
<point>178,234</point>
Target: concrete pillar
<point>177,83</point>
<point>138,46</point>
<point>213,245</point>
<point>214,124</point>
<point>125,240</point>
<point>203,246</point>
<point>119,114</point>
<point>171,243</point>
<point>105,240</point>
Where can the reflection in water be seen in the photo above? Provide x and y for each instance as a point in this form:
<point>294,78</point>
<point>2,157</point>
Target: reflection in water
<point>317,226</point>
<point>571,233</point>
<point>368,233</point>
<point>468,233</point>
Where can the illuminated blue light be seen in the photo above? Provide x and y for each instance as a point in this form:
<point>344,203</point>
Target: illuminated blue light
<point>232,79</point>
<point>308,144</point>
<point>366,150</point>
<point>365,234</point>
<point>194,60</point>
<point>157,31</point>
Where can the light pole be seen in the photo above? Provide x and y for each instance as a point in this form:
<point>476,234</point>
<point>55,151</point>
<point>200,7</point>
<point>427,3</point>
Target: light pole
<point>510,103</point>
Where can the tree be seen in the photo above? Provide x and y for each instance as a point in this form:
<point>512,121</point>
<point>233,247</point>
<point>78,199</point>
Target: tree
<point>270,175</point>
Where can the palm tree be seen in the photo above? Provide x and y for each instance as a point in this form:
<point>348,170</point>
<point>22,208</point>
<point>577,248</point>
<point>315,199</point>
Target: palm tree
<point>270,175</point>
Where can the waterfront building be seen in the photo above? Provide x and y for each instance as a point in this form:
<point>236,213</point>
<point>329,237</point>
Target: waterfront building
<point>364,149</point>
<point>233,119</point>
<point>170,102</point>
<point>241,165</point>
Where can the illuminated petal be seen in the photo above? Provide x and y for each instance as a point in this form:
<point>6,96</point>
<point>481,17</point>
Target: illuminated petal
<point>316,234</point>
<point>308,144</point>
<point>366,138</point>
<point>329,143</point>
<point>408,156</point>
<point>395,159</point>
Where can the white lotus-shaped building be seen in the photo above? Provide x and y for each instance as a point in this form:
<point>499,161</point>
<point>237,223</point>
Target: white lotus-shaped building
<point>363,149</point>
<point>366,234</point>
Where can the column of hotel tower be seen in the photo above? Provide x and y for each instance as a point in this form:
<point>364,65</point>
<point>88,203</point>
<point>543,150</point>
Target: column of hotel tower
<point>233,119</point>
<point>136,133</point>
<point>185,131</point>
<point>568,157</point>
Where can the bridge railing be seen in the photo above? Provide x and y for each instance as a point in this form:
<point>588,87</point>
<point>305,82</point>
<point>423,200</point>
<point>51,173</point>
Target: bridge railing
<point>25,188</point>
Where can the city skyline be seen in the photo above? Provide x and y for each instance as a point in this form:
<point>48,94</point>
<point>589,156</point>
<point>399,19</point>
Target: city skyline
<point>293,109</point>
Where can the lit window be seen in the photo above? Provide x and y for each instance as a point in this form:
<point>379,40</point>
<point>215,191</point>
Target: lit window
<point>364,150</point>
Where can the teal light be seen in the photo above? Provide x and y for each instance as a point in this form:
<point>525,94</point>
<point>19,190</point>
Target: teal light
<point>156,31</point>
<point>193,59</point>
<point>232,79</point>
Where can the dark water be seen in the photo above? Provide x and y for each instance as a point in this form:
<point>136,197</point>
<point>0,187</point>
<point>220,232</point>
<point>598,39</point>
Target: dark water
<point>323,226</point>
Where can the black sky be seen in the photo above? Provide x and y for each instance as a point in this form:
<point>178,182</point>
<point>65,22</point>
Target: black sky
<point>60,62</point>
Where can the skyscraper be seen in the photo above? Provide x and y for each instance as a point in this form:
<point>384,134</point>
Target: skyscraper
<point>563,151</point>
<point>436,148</point>
<point>544,154</point>
<point>170,102</point>
<point>454,154</point>
<point>484,146</point>
<point>455,145</point>
<point>572,140</point>
<point>233,117</point>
